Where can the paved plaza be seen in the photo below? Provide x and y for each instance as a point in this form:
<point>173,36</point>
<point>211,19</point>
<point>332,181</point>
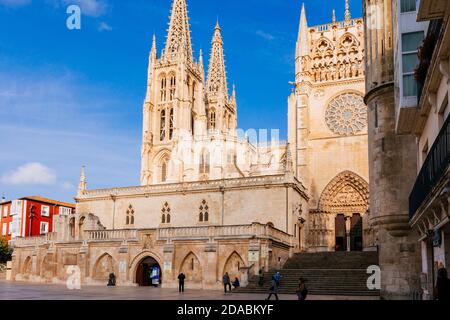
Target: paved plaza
<point>26,291</point>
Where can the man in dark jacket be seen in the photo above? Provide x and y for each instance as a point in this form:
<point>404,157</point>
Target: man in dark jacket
<point>226,282</point>
<point>181,278</point>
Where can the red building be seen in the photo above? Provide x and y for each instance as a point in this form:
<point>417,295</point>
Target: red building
<point>30,216</point>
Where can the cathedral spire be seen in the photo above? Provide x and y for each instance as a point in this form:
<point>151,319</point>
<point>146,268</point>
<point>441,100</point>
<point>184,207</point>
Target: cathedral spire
<point>82,186</point>
<point>217,78</point>
<point>333,18</point>
<point>348,15</point>
<point>153,55</point>
<point>233,95</point>
<point>302,40</point>
<point>179,34</point>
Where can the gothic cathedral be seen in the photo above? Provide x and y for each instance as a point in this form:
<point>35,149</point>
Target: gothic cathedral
<point>209,200</point>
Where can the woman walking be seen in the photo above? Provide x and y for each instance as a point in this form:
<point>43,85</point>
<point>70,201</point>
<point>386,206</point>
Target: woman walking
<point>273,289</point>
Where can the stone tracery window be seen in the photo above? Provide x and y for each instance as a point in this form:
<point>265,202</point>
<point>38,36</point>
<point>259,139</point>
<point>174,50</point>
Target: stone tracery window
<point>130,216</point>
<point>204,212</point>
<point>173,83</point>
<point>163,89</point>
<point>346,114</point>
<point>165,214</point>
<point>171,123</point>
<point>162,125</point>
<point>212,120</point>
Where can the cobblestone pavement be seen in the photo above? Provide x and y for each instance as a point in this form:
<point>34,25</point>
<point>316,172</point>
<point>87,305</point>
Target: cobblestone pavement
<point>26,291</point>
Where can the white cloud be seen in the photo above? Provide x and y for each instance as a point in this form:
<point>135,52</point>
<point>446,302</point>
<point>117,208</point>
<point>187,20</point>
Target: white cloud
<point>104,27</point>
<point>92,8</point>
<point>265,35</point>
<point>33,173</point>
<point>66,185</point>
<point>15,3</point>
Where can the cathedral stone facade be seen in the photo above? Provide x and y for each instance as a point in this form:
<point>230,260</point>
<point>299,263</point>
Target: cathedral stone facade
<point>210,201</point>
<point>328,133</point>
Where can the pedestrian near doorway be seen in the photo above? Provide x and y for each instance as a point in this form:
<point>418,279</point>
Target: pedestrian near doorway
<point>181,279</point>
<point>302,291</point>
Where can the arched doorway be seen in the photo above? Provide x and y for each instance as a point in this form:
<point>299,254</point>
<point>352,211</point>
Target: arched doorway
<point>148,273</point>
<point>345,200</point>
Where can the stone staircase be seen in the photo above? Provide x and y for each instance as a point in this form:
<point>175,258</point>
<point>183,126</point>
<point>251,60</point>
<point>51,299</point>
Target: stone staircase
<point>331,273</point>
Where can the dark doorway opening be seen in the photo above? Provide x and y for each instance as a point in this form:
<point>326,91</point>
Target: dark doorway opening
<point>341,236</point>
<point>148,273</point>
<point>356,235</point>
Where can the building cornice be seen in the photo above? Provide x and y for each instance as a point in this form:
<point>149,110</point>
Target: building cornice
<point>194,187</point>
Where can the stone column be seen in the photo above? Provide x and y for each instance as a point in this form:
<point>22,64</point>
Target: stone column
<point>167,269</point>
<point>393,170</point>
<point>210,277</point>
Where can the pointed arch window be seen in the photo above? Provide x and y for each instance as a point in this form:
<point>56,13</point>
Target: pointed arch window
<point>204,212</point>
<point>162,125</point>
<point>171,124</point>
<point>163,90</point>
<point>204,166</point>
<point>165,213</point>
<point>130,216</point>
<point>164,170</point>
<point>212,120</point>
<point>173,85</point>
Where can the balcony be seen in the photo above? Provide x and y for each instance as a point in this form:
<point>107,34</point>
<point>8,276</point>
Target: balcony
<point>241,231</point>
<point>433,169</point>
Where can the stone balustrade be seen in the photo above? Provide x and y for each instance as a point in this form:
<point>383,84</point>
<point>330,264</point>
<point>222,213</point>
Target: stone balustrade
<point>112,235</point>
<point>241,231</point>
<point>33,241</point>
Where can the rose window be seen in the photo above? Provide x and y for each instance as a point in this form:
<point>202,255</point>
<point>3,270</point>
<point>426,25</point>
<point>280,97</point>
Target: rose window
<point>346,115</point>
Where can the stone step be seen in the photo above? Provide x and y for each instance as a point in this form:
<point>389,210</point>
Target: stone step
<point>328,273</point>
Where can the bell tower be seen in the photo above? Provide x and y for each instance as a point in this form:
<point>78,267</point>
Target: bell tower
<point>173,103</point>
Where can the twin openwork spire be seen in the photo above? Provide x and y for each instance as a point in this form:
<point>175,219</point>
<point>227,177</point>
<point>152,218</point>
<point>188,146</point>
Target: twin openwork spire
<point>179,34</point>
<point>217,78</point>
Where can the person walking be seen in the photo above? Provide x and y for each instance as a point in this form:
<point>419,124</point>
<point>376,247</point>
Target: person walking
<point>302,291</point>
<point>226,282</point>
<point>181,278</point>
<point>273,289</point>
<point>278,278</point>
<point>442,285</point>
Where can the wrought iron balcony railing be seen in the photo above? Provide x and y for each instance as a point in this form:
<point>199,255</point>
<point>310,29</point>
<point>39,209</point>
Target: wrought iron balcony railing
<point>433,169</point>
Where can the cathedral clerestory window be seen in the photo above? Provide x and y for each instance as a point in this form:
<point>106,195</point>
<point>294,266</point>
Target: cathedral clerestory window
<point>130,216</point>
<point>204,212</point>
<point>165,214</point>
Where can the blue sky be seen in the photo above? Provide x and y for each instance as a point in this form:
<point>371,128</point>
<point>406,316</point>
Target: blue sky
<point>72,98</point>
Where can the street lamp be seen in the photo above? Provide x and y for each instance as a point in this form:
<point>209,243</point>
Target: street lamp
<point>32,212</point>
